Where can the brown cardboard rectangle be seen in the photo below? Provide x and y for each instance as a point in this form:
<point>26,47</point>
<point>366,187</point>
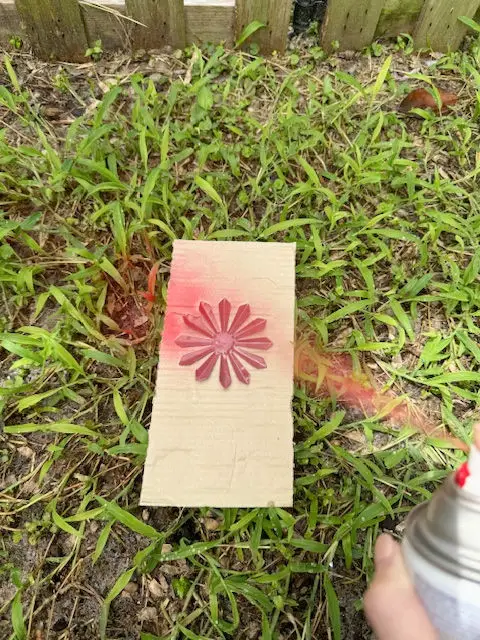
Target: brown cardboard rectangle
<point>210,446</point>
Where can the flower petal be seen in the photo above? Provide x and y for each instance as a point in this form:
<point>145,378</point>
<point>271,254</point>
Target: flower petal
<point>255,343</point>
<point>256,361</point>
<point>192,341</point>
<point>252,327</point>
<point>194,356</point>
<point>240,371</point>
<point>208,315</point>
<point>224,309</point>
<point>197,325</point>
<point>243,312</point>
<point>205,371</point>
<point>225,377</point>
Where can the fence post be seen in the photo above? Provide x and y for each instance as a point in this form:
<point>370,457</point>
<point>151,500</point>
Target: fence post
<point>438,26</point>
<point>275,14</point>
<point>55,28</point>
<point>351,23</point>
<point>164,22</point>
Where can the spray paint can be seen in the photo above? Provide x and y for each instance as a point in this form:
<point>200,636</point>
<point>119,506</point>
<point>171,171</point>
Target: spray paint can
<point>442,551</point>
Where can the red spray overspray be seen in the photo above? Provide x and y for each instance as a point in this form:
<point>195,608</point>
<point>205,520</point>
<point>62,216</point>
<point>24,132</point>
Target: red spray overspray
<point>331,374</point>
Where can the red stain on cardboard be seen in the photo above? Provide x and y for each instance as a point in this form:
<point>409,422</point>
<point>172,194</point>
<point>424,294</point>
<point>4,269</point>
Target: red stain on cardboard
<point>218,334</point>
<point>184,294</point>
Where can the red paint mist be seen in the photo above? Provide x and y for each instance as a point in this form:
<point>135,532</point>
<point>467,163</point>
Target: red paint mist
<point>462,474</point>
<point>333,375</point>
<point>184,295</point>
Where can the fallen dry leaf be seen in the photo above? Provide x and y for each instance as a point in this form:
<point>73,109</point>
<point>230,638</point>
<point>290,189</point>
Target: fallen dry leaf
<point>130,589</point>
<point>25,452</point>
<point>158,588</point>
<point>423,99</point>
<point>211,524</point>
<point>148,614</point>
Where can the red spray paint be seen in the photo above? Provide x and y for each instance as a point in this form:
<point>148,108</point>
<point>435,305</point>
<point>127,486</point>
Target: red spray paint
<point>328,374</point>
<point>184,294</point>
<point>218,334</point>
<point>324,374</point>
<point>462,474</point>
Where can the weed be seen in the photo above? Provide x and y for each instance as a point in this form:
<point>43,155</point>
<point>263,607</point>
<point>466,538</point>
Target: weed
<point>95,52</point>
<point>405,43</point>
<point>16,42</point>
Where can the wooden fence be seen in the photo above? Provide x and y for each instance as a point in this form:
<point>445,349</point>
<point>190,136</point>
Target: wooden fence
<point>64,29</point>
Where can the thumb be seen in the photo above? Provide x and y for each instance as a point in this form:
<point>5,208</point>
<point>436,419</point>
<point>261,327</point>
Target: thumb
<point>391,604</point>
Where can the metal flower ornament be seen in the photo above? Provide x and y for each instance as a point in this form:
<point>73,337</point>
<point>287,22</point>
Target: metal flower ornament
<point>216,338</point>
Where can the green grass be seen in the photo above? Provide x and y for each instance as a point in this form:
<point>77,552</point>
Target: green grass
<point>385,213</point>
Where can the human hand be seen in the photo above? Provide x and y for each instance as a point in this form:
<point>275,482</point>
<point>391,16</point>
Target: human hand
<point>392,606</point>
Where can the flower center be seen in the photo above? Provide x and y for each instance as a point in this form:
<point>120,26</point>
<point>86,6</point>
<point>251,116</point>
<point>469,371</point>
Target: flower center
<point>223,342</point>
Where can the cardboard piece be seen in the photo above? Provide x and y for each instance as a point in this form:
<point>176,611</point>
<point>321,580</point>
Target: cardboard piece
<point>222,431</point>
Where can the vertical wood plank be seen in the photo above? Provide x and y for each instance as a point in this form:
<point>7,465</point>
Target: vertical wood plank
<point>210,23</point>
<point>55,28</point>
<point>10,23</point>
<point>164,22</point>
<point>438,26</point>
<point>351,23</point>
<point>398,16</point>
<point>275,14</point>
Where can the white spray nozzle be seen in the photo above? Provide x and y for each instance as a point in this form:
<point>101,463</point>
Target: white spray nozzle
<point>468,475</point>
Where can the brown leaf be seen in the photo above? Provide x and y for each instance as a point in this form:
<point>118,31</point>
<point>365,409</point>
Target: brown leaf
<point>130,589</point>
<point>148,614</point>
<point>211,524</point>
<point>158,588</point>
<point>423,99</point>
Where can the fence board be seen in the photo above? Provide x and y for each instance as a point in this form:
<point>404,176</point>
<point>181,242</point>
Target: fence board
<point>398,16</point>
<point>351,23</point>
<point>55,28</point>
<point>9,22</point>
<point>212,21</point>
<point>207,23</point>
<point>113,29</point>
<point>438,26</point>
<point>275,14</point>
<point>164,22</point>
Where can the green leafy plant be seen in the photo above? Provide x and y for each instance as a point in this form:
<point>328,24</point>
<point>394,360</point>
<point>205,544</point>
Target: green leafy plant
<point>95,52</point>
<point>16,42</point>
